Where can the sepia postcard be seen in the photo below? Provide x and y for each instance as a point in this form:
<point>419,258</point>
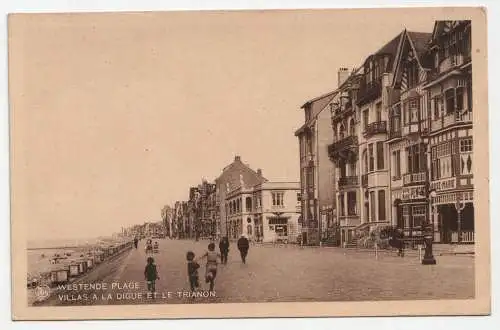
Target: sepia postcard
<point>260,163</point>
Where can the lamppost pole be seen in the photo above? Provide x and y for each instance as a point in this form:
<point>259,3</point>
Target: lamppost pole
<point>429,233</point>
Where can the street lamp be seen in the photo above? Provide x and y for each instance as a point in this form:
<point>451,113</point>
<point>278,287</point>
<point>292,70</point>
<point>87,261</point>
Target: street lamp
<point>429,232</point>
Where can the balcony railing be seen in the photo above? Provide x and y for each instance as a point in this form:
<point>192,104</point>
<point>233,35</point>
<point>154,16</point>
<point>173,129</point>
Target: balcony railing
<point>452,119</point>
<point>348,181</point>
<point>364,180</point>
<point>341,144</point>
<point>395,134</point>
<point>411,178</point>
<point>375,128</point>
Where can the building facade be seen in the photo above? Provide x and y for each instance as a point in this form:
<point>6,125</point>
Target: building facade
<point>266,212</point>
<point>401,128</point>
<point>230,179</point>
<point>316,171</point>
<point>408,134</point>
<point>449,91</point>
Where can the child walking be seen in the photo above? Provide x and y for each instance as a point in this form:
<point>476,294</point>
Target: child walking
<point>211,267</point>
<point>151,274</point>
<point>192,268</point>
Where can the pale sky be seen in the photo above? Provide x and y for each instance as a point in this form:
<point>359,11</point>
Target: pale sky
<point>123,113</point>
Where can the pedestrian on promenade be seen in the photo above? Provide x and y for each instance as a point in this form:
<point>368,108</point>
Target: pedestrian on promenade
<point>151,274</point>
<point>192,268</point>
<point>211,266</point>
<point>224,249</point>
<point>136,241</point>
<point>149,246</point>
<point>243,246</point>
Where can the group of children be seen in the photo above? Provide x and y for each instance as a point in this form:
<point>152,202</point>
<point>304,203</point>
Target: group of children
<point>151,272</point>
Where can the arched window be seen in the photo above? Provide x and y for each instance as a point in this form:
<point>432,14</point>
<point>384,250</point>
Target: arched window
<point>249,230</point>
<point>352,128</point>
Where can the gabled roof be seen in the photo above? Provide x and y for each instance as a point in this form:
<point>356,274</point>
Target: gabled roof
<point>419,43</point>
<point>320,98</point>
<point>390,48</point>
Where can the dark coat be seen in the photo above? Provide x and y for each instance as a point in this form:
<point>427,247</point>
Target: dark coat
<point>224,245</point>
<point>243,244</point>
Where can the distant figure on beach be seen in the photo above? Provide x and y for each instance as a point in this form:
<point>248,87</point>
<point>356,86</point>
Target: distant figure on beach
<point>192,267</point>
<point>136,241</point>
<point>224,249</point>
<point>151,274</point>
<point>243,246</point>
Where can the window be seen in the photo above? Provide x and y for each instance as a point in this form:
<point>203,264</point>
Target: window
<point>466,145</point>
<point>378,112</point>
<point>419,215</point>
<point>352,169</point>
<point>413,105</point>
<point>248,202</point>
<point>397,163</point>
<point>450,101</point>
<point>365,119</point>
<point>365,162</point>
<point>372,206</point>
<point>371,158</point>
<point>406,115</point>
<point>310,177</point>
<point>351,203</point>
<point>352,128</point>
<point>277,199</point>
<point>381,205</point>
<point>460,98</point>
<point>406,216</point>
<point>380,155</point>
<point>437,107</point>
<point>469,95</point>
<point>341,205</point>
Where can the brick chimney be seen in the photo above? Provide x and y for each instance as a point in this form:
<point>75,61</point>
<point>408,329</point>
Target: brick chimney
<point>259,172</point>
<point>342,75</point>
<point>237,158</point>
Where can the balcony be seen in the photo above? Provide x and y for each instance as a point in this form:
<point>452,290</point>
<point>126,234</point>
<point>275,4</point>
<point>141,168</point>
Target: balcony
<point>364,180</point>
<point>341,144</point>
<point>378,127</point>
<point>339,111</point>
<point>348,181</point>
<point>414,178</point>
<point>452,119</point>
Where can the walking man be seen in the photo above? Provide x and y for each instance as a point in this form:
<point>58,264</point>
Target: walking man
<point>136,241</point>
<point>224,249</point>
<point>243,246</point>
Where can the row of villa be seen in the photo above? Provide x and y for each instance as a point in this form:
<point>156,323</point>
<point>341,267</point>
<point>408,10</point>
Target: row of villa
<point>240,201</point>
<point>393,144</point>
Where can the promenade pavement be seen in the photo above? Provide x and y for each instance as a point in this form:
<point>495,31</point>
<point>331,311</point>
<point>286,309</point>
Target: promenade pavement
<point>283,274</point>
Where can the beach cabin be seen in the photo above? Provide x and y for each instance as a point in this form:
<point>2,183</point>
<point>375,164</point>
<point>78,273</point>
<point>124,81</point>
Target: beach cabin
<point>98,257</point>
<point>82,263</point>
<point>90,262</point>
<point>59,274</point>
<point>74,269</point>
